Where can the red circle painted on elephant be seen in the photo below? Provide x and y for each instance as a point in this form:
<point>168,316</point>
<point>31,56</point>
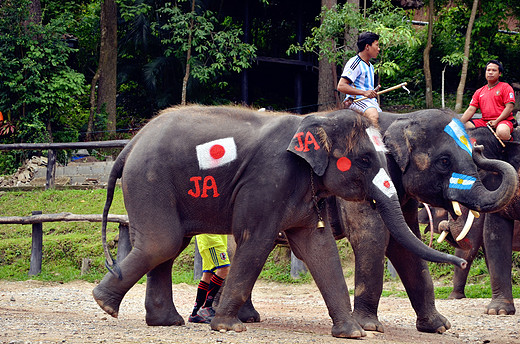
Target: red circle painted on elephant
<point>217,151</point>
<point>343,164</point>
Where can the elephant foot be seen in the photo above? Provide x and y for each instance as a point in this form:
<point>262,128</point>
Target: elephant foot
<point>435,323</point>
<point>456,295</point>
<point>501,307</point>
<point>109,302</point>
<point>369,322</point>
<point>227,323</point>
<point>170,318</point>
<point>348,329</point>
<point>248,314</point>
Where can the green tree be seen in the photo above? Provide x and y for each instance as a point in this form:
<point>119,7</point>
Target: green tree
<point>39,90</point>
<point>208,47</point>
<point>329,39</point>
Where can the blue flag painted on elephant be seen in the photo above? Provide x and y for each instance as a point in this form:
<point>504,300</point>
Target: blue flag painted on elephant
<point>461,181</point>
<point>456,130</point>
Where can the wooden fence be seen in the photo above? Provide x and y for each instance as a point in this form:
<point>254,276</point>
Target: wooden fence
<point>123,246</point>
<point>53,147</point>
<point>37,219</point>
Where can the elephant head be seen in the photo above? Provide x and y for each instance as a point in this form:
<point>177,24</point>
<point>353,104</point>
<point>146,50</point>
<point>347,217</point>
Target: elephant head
<point>442,168</point>
<point>343,152</point>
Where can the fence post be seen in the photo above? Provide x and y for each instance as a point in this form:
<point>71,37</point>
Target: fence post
<point>36,249</point>
<point>297,267</point>
<point>123,244</point>
<point>197,263</point>
<point>51,169</point>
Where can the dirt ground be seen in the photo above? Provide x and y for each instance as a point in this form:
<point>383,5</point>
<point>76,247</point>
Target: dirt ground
<point>38,312</point>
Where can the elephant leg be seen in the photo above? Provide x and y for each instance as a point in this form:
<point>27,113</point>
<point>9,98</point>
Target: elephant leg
<point>317,248</point>
<point>460,276</point>
<point>498,237</point>
<point>148,252</point>
<point>110,291</point>
<point>368,237</point>
<point>160,309</point>
<point>415,276</point>
<point>247,313</point>
<point>248,261</point>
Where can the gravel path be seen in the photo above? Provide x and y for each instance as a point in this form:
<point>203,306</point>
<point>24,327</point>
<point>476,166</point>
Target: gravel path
<point>38,312</point>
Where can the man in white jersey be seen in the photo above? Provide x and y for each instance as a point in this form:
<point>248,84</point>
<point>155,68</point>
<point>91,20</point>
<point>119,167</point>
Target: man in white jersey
<point>357,79</point>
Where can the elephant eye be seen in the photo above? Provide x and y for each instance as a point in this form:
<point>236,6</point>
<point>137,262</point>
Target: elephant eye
<point>364,161</point>
<point>443,163</point>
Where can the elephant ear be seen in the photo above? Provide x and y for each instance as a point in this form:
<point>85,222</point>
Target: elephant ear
<point>397,140</point>
<point>307,143</point>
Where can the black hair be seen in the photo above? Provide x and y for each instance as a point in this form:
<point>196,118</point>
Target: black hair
<point>500,68</point>
<point>366,38</point>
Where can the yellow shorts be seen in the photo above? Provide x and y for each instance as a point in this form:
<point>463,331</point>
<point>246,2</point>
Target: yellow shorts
<point>213,250</point>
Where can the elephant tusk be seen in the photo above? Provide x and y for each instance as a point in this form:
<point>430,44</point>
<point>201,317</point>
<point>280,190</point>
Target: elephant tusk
<point>443,236</point>
<point>467,226</point>
<point>475,213</point>
<point>456,208</point>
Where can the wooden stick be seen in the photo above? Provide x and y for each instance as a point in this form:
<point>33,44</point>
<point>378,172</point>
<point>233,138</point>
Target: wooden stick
<point>494,133</point>
<point>384,91</point>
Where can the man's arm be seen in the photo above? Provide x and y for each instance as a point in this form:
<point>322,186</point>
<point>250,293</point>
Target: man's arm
<point>344,86</point>
<point>470,111</point>
<point>505,113</point>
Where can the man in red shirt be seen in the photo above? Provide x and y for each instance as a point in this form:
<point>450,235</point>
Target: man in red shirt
<point>495,100</point>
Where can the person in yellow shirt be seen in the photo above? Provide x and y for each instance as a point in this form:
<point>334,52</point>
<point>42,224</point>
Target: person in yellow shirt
<point>215,268</point>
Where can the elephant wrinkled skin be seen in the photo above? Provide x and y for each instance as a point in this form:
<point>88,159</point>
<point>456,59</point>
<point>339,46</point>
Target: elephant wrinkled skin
<point>428,163</point>
<point>497,233</point>
<point>229,170</point>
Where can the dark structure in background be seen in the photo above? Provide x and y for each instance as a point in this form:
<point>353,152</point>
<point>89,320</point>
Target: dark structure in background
<point>276,79</point>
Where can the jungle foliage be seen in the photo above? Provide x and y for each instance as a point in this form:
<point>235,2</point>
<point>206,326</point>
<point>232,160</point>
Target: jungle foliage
<point>48,65</point>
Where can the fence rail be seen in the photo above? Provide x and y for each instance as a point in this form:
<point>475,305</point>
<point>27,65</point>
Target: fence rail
<point>51,154</point>
<point>38,218</point>
<point>123,246</point>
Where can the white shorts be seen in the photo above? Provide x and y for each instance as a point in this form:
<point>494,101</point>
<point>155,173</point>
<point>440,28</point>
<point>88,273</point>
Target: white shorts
<point>364,105</point>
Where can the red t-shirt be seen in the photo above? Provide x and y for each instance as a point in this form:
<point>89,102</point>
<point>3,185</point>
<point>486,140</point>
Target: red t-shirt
<point>492,102</point>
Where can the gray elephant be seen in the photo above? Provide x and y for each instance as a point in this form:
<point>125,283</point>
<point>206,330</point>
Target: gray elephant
<point>469,245</point>
<point>430,160</point>
<point>497,233</point>
<point>228,170</point>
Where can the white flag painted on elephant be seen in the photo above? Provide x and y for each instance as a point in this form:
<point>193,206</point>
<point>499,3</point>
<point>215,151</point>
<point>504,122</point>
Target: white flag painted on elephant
<point>377,140</point>
<point>216,153</point>
<point>384,183</point>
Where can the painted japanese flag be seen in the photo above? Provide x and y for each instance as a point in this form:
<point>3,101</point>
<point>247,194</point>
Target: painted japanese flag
<point>384,183</point>
<point>377,140</point>
<point>216,153</point>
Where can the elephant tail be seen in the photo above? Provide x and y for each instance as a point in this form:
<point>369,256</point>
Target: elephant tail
<point>115,174</point>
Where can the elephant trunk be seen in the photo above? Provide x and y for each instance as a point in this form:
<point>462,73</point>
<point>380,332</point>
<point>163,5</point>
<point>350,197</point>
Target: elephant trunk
<point>485,200</point>
<point>392,216</point>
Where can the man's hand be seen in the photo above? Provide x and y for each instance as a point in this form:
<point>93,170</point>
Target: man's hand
<point>347,102</point>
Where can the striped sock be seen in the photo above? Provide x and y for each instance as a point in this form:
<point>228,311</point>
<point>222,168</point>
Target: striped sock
<point>202,291</point>
<point>214,286</point>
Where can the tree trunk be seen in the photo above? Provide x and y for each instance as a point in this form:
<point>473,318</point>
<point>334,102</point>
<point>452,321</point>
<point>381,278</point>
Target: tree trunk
<point>464,73</point>
<point>327,77</point>
<point>90,124</point>
<point>188,57</point>
<point>107,88</point>
<point>426,58</point>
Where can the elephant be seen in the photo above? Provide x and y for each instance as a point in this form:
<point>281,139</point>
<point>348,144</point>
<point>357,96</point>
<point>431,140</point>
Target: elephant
<point>469,246</point>
<point>428,162</point>
<point>231,170</point>
<point>497,233</point>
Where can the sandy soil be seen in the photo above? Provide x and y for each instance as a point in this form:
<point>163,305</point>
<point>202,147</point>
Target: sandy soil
<point>37,312</point>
